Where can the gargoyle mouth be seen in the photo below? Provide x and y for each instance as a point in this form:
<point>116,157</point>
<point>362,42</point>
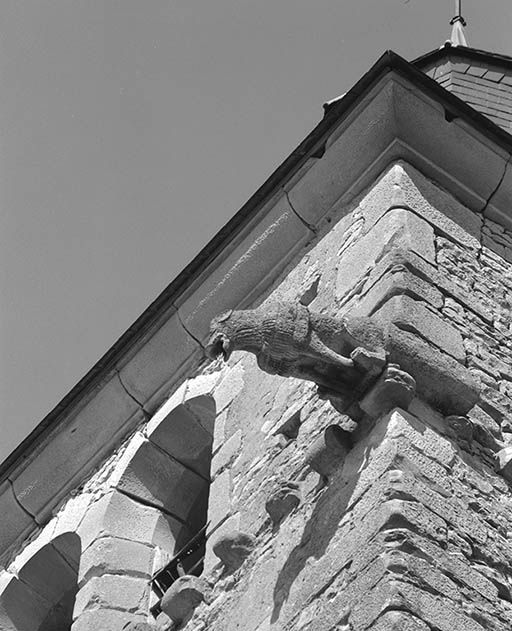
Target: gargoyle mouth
<point>218,345</point>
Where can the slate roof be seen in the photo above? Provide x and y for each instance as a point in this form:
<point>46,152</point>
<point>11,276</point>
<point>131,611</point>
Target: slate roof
<point>481,79</point>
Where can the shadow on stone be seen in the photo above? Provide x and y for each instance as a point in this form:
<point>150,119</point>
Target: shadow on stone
<point>233,548</point>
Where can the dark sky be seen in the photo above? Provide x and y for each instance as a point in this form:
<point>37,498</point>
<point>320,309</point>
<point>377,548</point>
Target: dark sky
<point>132,130</point>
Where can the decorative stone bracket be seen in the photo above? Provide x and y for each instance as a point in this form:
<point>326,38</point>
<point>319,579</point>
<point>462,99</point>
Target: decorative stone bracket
<point>362,367</point>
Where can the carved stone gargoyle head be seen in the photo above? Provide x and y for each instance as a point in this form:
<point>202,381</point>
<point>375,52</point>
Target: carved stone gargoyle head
<point>344,356</point>
<point>221,336</point>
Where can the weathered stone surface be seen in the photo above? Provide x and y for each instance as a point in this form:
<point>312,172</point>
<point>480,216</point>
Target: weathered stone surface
<point>15,521</point>
<point>409,188</point>
<point>110,555</point>
<point>504,463</point>
<point>233,549</point>
<point>321,183</point>
<point>395,388</point>
<point>106,619</point>
<point>181,435</point>
<point>283,500</point>
<point>116,515</point>
<point>257,257</point>
<point>117,592</point>
<point>398,229</point>
<point>149,475</point>
<point>87,438</point>
<point>159,361</point>
<point>441,380</point>
<point>219,506</point>
<point>412,315</point>
<point>181,599</point>
<point>327,453</point>
<point>227,453</point>
<point>396,281</point>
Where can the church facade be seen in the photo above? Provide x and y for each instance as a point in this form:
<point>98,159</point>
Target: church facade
<point>335,453</point>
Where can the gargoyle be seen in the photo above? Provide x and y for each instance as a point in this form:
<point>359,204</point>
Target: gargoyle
<point>344,356</point>
<point>291,341</point>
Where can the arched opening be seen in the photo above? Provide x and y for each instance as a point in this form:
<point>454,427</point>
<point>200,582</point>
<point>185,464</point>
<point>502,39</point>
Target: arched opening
<point>42,597</point>
<point>170,471</point>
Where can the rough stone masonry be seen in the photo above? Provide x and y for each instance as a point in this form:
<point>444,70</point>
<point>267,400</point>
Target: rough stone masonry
<point>404,527</point>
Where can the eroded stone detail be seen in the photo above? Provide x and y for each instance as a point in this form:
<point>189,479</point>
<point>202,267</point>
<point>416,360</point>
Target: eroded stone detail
<point>183,597</point>
<point>284,499</point>
<point>504,463</point>
<point>344,356</point>
<point>139,626</point>
<point>291,341</point>
<point>233,548</point>
<point>327,453</point>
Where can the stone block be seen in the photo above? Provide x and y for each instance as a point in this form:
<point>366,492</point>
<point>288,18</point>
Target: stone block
<point>149,475</point>
<point>110,555</point>
<point>406,187</point>
<point>123,593</point>
<point>175,399</point>
<point>79,444</point>
<point>48,574</point>
<point>395,388</point>
<point>242,272</point>
<point>69,517</point>
<point>400,424</point>
<point>397,281</point>
<point>20,606</point>
<point>351,151</point>
<point>183,596</point>
<point>181,435</point>
<point>287,425</point>
<point>398,228</point>
<point>15,523</point>
<point>106,619</point>
<point>227,453</point>
<point>219,506</point>
<point>230,386</point>
<point>457,159</point>
<point>116,515</point>
<point>501,200</point>
<point>441,381</point>
<point>158,361</point>
<point>412,315</point>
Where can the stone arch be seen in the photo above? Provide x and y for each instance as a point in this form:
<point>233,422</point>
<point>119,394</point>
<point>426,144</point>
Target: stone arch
<point>157,502</point>
<point>41,597</point>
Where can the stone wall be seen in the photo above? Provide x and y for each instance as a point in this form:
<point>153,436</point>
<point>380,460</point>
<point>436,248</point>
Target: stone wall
<point>408,530</point>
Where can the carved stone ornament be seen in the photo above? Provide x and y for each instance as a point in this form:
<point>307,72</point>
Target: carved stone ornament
<point>345,356</point>
<point>233,548</point>
<point>183,596</point>
<point>327,453</point>
<point>284,498</point>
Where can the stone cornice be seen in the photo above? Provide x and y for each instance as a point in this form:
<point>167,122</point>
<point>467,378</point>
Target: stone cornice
<point>394,112</point>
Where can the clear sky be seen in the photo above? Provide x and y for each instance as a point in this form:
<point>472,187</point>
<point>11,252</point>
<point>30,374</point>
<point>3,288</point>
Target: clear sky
<point>132,130</point>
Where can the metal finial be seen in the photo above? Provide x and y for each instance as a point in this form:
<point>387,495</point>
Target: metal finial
<point>458,37</point>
